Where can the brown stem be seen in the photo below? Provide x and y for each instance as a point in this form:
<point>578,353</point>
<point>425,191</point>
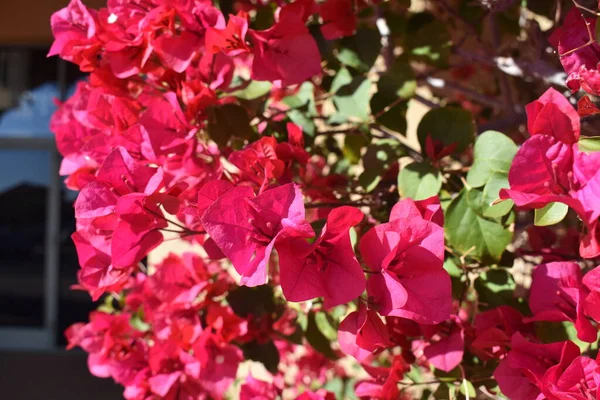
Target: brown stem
<point>590,41</point>
<point>504,83</point>
<point>338,204</point>
<point>576,4</point>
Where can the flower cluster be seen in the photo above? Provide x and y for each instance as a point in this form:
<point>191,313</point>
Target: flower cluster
<point>323,265</point>
<point>556,169</point>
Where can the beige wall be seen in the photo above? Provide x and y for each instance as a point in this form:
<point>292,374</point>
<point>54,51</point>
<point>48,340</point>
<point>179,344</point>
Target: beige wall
<point>27,22</point>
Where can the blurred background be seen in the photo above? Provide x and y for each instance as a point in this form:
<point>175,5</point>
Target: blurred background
<point>38,262</point>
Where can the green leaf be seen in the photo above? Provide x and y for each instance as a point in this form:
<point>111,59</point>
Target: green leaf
<point>467,231</point>
<point>256,300</point>
<point>253,91</point>
<point>317,339</point>
<point>342,78</point>
<point>379,156</point>
<point>495,287</point>
<point>353,145</point>
<point>303,98</point>
<point>137,322</point>
<point>467,389</point>
<point>336,386</point>
<point>452,269</point>
<point>550,332</point>
<point>352,99</point>
<point>399,81</point>
<point>353,237</point>
<point>445,391</point>
<point>395,117</point>
<point>589,144</point>
<point>447,125</point>
<point>449,377</point>
<point>491,192</point>
<point>419,181</point>
<point>325,326</point>
<point>265,17</point>
<point>107,305</point>
<point>265,353</point>
<point>360,50</point>
<point>456,277</point>
<point>493,153</point>
<point>227,121</point>
<point>303,121</point>
<point>429,42</point>
<point>297,336</point>
<point>551,214</point>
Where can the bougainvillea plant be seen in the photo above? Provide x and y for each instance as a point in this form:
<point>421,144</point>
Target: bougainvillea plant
<point>381,199</point>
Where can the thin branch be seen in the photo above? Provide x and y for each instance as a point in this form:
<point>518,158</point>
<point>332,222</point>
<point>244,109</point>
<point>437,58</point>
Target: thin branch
<point>389,107</point>
<point>470,28</point>
<point>505,123</point>
<point>414,154</point>
<point>590,41</point>
<point>438,83</point>
<point>504,83</point>
<point>425,101</point>
<point>419,383</point>
<point>576,4</point>
<point>348,131</point>
<point>538,69</point>
<point>338,204</point>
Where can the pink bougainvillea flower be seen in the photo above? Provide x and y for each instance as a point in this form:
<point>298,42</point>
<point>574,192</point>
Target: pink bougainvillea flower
<point>447,352</point>
<point>553,115</point>
<point>384,382</point>
<point>226,324</point>
<point>549,167</point>
<point>436,149</point>
<point>574,377</point>
<point>299,8</point>
<point>75,40</point>
<point>258,162</point>
<point>581,66</point>
<point>246,227</point>
<point>545,242</point>
<point>286,52</point>
<point>121,209</point>
<point>176,284</point>
<point>586,108</point>
<point>103,337</point>
<point>215,70</point>
<point>174,371</point>
<point>255,389</point>
<point>320,394</point>
<point>326,268</point>
<point>557,294</point>
<point>97,274</point>
<point>232,39</point>
<point>210,192</point>
<point>408,280</point>
<point>293,154</point>
<point>219,363</point>
<point>177,51</point>
<point>520,375</point>
<point>494,329</point>
<point>363,333</point>
<point>591,280</point>
<point>429,209</point>
<point>339,18</point>
<point>138,230</point>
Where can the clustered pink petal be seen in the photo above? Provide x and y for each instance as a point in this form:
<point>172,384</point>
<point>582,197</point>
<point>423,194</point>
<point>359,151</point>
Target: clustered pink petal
<point>556,169</point>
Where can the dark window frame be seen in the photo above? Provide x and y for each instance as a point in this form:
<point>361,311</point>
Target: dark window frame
<point>44,338</point>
